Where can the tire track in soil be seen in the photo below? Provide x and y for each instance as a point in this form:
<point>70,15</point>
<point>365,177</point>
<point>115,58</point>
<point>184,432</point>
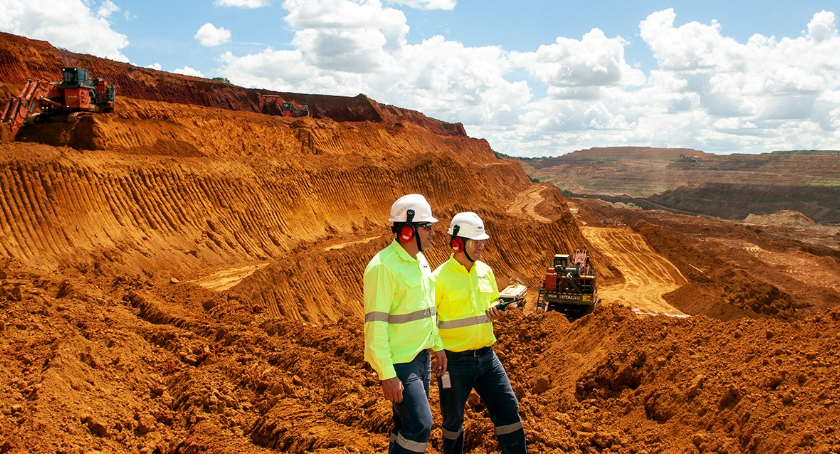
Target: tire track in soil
<point>526,202</point>
<point>647,275</point>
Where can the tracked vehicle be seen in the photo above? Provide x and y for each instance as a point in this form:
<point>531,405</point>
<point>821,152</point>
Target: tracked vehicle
<point>569,286</point>
<point>41,101</point>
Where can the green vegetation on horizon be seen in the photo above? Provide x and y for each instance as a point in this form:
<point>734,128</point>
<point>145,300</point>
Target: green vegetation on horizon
<point>808,152</point>
<point>829,183</point>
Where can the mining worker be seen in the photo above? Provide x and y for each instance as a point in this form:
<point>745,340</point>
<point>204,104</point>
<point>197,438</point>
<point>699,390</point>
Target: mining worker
<point>466,296</point>
<point>400,326</point>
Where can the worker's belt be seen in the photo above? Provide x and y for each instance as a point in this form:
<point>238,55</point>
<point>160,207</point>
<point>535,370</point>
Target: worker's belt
<point>475,353</point>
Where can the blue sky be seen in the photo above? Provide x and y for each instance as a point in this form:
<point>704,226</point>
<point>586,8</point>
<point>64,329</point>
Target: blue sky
<point>534,78</point>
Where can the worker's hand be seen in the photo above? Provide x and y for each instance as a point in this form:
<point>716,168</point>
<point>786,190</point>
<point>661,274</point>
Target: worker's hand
<point>392,388</point>
<point>440,364</point>
<point>495,313</point>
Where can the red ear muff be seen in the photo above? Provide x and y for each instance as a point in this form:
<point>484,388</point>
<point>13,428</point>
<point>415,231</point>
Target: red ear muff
<point>457,244</point>
<point>407,232</point>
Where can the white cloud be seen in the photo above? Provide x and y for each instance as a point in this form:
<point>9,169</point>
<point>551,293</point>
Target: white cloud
<point>210,36</point>
<point>187,71</point>
<point>106,9</point>
<point>595,60</point>
<point>822,27</point>
<point>156,66</point>
<point>243,3</point>
<point>362,49</point>
<point>752,94</point>
<point>349,16</point>
<point>88,32</point>
<point>468,85</point>
<point>356,51</point>
<point>708,91</point>
<point>284,70</point>
<point>335,42</point>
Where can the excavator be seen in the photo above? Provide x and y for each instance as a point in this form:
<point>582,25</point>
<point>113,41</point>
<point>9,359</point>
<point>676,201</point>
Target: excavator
<point>275,105</point>
<point>40,100</point>
<point>569,285</point>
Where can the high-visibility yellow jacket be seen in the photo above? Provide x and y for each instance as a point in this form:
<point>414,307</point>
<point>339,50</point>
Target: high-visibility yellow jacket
<point>399,309</point>
<point>461,301</point>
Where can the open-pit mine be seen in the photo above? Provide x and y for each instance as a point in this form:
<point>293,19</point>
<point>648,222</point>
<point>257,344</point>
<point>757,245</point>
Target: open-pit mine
<point>183,275</point>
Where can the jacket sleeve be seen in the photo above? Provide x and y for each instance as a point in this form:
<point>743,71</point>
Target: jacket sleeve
<point>378,294</point>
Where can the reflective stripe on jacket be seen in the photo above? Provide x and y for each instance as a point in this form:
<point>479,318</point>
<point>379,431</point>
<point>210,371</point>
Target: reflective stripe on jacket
<point>461,302</point>
<point>399,309</point>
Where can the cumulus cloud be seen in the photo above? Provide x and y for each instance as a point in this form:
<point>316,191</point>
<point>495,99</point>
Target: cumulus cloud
<point>48,20</point>
<point>281,70</point>
<point>210,36</point>
<point>348,47</point>
<point>156,66</point>
<point>765,86</point>
<point>106,9</point>
<point>468,85</point>
<point>595,60</point>
<point>707,90</point>
<point>187,71</point>
<point>822,27</point>
<point>335,43</point>
<point>344,17</point>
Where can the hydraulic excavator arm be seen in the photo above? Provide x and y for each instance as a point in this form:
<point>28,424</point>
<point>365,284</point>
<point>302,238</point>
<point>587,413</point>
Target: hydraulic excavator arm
<point>28,103</point>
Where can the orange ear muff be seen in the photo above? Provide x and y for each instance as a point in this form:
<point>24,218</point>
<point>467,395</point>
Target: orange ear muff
<point>457,244</point>
<point>407,232</point>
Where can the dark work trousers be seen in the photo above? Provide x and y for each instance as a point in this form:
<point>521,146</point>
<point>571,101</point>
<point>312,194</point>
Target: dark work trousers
<point>412,416</point>
<point>480,370</point>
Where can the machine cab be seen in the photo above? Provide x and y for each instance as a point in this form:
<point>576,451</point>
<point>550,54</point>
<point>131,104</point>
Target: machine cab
<point>77,78</point>
<point>561,262</point>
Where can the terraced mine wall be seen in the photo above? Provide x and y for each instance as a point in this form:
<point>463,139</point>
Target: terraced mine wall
<point>182,189</point>
<point>737,201</point>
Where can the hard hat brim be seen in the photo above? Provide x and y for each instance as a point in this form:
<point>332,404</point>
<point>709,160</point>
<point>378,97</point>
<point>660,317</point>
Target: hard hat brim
<point>416,221</point>
<point>479,237</point>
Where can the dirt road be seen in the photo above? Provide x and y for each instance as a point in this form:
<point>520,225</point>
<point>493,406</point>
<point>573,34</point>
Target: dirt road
<point>647,275</point>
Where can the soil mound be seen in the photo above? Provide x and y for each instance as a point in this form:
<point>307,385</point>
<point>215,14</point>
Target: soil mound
<point>131,365</point>
<point>784,217</point>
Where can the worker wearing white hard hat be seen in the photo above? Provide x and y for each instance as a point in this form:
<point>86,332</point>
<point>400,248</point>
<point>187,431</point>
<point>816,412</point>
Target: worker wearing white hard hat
<point>466,295</point>
<point>400,326</point>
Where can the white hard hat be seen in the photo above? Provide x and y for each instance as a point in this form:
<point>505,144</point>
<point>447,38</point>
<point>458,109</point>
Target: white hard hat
<point>469,225</point>
<point>417,203</point>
